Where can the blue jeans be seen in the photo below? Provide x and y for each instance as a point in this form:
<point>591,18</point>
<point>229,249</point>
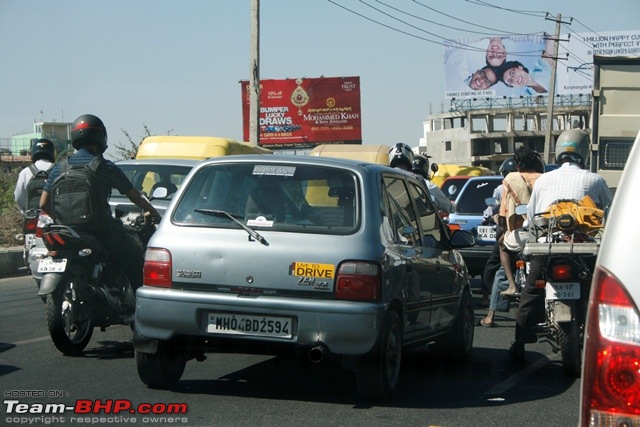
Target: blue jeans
<point>500,283</point>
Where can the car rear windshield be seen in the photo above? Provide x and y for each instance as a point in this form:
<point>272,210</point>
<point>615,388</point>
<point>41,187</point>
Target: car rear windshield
<point>296,198</point>
<point>472,198</point>
<point>147,178</point>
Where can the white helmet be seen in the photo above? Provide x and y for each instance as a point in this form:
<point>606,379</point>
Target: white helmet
<point>573,146</point>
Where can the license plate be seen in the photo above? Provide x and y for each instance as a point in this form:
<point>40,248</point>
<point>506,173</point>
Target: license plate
<point>29,240</point>
<point>50,265</point>
<point>487,232</point>
<point>243,324</point>
<point>558,290</point>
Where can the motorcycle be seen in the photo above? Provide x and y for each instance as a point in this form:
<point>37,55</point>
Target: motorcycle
<point>567,236</point>
<point>82,289</point>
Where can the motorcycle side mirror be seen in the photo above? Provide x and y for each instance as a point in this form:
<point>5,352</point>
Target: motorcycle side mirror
<point>521,209</point>
<point>491,201</point>
<point>434,167</point>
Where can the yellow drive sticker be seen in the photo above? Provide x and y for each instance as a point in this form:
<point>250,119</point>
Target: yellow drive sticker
<point>310,269</point>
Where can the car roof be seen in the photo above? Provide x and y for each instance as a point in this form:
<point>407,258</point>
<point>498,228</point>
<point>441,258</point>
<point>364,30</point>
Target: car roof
<point>306,160</point>
<point>169,162</point>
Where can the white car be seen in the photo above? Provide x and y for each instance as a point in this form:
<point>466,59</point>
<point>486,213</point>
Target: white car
<point>611,377</point>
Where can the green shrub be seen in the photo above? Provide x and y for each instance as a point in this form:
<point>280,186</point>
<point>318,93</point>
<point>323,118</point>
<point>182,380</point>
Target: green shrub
<point>11,223</point>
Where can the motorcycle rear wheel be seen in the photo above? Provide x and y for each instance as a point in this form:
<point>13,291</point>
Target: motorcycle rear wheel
<point>570,342</point>
<point>69,336</point>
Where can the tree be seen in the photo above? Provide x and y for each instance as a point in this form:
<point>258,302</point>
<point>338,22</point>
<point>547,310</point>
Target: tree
<point>128,151</point>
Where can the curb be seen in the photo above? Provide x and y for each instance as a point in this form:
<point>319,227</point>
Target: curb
<point>11,261</point>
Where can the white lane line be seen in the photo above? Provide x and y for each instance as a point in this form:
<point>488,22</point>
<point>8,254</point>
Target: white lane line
<point>513,380</point>
<point>30,341</point>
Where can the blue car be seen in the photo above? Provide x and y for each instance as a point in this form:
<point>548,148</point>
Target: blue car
<point>470,205</point>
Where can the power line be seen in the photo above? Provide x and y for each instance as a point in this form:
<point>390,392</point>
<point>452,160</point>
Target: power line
<point>539,14</point>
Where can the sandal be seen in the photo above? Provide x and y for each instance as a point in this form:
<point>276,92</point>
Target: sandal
<point>486,325</point>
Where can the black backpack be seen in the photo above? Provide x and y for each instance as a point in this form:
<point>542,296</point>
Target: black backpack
<point>76,198</point>
<point>35,186</point>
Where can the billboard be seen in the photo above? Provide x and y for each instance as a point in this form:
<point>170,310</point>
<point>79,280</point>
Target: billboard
<point>521,65</point>
<point>306,112</point>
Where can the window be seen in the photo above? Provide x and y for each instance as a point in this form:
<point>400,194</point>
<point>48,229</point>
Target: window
<point>305,199</point>
<point>427,216</point>
<point>403,218</point>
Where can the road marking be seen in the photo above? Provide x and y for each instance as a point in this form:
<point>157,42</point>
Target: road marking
<point>515,379</point>
<point>30,341</point>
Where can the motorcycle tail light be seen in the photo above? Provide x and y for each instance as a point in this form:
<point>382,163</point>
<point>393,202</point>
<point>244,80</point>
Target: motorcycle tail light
<point>30,225</point>
<point>611,374</point>
<point>561,272</point>
<point>43,220</point>
<point>53,239</point>
<point>157,268</point>
<point>358,281</point>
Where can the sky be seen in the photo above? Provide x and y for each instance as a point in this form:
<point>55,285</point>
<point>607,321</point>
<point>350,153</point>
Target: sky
<point>175,66</point>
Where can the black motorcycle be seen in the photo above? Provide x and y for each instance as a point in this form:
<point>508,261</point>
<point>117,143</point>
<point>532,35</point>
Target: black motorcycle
<point>83,290</point>
<point>567,237</point>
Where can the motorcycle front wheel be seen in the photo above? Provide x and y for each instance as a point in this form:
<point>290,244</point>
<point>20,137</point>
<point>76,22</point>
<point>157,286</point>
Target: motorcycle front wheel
<point>69,334</point>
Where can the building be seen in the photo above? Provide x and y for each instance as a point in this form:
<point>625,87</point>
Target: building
<point>486,132</point>
<point>16,150</point>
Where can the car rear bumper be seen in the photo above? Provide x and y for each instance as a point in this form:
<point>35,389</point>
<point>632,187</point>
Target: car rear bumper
<point>342,327</point>
<point>476,258</point>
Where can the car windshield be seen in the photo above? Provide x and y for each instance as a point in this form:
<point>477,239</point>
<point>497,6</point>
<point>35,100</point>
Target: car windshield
<point>472,199</point>
<point>451,187</point>
<point>296,198</point>
<point>147,178</point>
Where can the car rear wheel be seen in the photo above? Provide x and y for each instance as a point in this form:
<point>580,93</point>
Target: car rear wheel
<point>160,370</point>
<point>459,343</point>
<point>381,383</point>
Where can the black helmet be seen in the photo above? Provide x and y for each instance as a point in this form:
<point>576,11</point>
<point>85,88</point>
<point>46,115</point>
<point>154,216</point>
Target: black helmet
<point>420,165</point>
<point>86,129</point>
<point>43,148</point>
<point>401,155</point>
<point>508,166</point>
<point>573,146</point>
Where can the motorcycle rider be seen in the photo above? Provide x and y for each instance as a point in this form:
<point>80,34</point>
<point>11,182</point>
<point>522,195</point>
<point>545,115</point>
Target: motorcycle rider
<point>43,155</point>
<point>420,166</point>
<point>401,157</point>
<point>89,138</point>
<point>569,181</point>
<point>493,264</point>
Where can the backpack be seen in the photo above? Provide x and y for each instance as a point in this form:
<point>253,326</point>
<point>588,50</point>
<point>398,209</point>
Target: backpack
<point>35,186</point>
<point>76,198</point>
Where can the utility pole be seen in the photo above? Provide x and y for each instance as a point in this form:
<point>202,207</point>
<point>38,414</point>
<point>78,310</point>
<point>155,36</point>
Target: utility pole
<point>552,89</point>
<point>254,75</point>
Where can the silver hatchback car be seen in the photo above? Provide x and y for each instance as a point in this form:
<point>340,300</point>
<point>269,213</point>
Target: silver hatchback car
<point>306,256</point>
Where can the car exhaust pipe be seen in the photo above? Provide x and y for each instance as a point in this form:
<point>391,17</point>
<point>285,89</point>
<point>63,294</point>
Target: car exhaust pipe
<point>316,354</point>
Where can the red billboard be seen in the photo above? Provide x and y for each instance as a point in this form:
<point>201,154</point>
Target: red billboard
<point>306,112</point>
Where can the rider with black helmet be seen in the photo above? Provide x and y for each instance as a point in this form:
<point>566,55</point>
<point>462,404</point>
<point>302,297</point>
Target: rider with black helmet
<point>420,166</point>
<point>43,155</point>
<point>89,138</point>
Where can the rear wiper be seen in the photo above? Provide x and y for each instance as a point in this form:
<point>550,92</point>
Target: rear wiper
<point>236,219</point>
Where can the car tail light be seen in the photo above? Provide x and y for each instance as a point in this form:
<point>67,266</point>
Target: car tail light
<point>560,272</point>
<point>358,281</point>
<point>611,373</point>
<point>157,268</point>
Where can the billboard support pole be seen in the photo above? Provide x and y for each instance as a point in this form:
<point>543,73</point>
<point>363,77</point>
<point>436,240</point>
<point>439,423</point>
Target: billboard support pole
<point>254,75</point>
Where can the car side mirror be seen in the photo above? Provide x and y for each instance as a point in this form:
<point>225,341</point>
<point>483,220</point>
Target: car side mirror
<point>160,193</point>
